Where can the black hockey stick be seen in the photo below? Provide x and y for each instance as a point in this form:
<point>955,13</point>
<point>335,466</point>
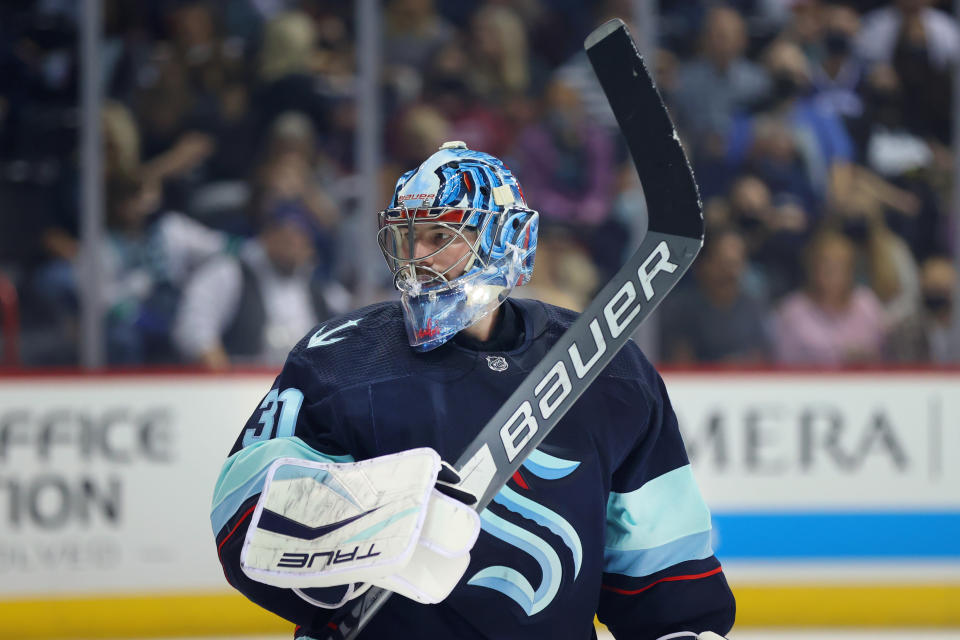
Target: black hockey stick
<point>673,239</point>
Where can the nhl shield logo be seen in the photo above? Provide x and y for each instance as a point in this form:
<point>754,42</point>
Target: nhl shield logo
<point>497,363</point>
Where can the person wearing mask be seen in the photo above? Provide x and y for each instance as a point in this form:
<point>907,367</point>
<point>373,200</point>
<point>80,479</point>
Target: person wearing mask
<point>719,83</point>
<point>928,336</point>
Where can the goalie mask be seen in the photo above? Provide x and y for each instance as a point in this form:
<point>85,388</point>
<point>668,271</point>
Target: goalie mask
<point>458,237</point>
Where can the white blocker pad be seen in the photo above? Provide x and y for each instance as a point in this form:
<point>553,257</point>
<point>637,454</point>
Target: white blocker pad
<point>321,524</point>
<point>442,555</point>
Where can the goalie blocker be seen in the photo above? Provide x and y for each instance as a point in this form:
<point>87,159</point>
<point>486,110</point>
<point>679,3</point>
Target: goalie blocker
<point>378,522</point>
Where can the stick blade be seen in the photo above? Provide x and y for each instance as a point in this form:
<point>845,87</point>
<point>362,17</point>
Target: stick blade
<point>673,200</point>
<point>603,31</point>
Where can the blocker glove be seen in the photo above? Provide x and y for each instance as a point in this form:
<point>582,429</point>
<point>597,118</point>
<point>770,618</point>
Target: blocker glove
<point>378,521</point>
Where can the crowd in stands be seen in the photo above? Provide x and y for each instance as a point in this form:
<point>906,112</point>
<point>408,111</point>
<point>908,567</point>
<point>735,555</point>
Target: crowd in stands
<point>819,132</point>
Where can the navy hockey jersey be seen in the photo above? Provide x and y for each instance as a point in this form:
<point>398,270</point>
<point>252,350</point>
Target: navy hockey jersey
<point>603,518</point>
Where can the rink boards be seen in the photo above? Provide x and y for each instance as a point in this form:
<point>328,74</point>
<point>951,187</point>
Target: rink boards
<point>835,497</point>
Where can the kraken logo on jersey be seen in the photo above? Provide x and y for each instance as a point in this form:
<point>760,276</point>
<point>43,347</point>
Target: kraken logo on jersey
<point>511,582</point>
<point>322,337</point>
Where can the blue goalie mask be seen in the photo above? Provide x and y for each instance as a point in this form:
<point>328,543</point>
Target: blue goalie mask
<point>458,237</point>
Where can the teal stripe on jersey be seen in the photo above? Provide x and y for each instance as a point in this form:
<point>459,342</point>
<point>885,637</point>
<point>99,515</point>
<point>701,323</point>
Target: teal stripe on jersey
<point>665,509</point>
<point>643,562</point>
<point>549,467</point>
<point>243,473</point>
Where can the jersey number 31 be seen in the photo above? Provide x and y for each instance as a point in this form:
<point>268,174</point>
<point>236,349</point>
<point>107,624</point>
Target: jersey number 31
<point>289,401</point>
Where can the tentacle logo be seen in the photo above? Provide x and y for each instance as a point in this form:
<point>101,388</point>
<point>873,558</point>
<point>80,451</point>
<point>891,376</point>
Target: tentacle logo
<point>511,582</point>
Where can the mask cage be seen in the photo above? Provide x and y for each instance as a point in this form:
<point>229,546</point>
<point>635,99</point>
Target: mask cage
<point>397,240</point>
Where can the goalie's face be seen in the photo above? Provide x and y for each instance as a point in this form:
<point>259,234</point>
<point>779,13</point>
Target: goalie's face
<point>437,249</point>
<point>429,251</point>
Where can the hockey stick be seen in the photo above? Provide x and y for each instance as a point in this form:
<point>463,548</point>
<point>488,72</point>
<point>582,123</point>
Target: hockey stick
<point>672,241</point>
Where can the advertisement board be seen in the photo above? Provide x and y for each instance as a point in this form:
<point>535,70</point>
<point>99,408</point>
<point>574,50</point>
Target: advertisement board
<point>105,483</point>
<point>830,469</point>
<point>818,484</point>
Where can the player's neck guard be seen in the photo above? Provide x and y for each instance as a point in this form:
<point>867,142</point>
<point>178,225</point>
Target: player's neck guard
<point>432,315</point>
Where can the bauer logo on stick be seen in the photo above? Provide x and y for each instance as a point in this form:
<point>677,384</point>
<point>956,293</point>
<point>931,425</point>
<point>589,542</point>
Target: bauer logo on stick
<point>555,386</point>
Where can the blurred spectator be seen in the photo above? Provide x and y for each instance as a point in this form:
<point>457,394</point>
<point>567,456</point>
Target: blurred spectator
<point>287,183</point>
<point>885,143</point>
<point>923,45</point>
<point>776,15</point>
<point>838,75</point>
<point>804,28</point>
<point>932,31</point>
<point>234,130</point>
<point>287,72</point>
<point>244,112</point>
<point>832,321</point>
<point>567,163</point>
<point>564,275</point>
<point>252,308</point>
<point>121,140</point>
<point>716,320</point>
<point>122,164</point>
<point>289,42</point>
<point>883,260</point>
<point>417,132</point>
<point>447,87</point>
<point>929,335</point>
<point>413,33</point>
<point>577,74</point>
<point>824,143</point>
<point>206,56</point>
<point>679,21</point>
<point>775,156</point>
<point>718,84</point>
<point>148,255</point>
<point>629,213</point>
<point>907,162</point>
<point>774,230</point>
<point>500,59</point>
<point>174,138</point>
<point>556,27</point>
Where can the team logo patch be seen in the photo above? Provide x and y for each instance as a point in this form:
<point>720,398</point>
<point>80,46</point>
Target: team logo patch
<point>510,581</point>
<point>497,363</point>
<point>323,335</point>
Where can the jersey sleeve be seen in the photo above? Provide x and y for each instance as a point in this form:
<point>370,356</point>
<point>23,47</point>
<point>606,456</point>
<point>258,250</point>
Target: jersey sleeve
<point>660,574</point>
<point>291,421</point>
